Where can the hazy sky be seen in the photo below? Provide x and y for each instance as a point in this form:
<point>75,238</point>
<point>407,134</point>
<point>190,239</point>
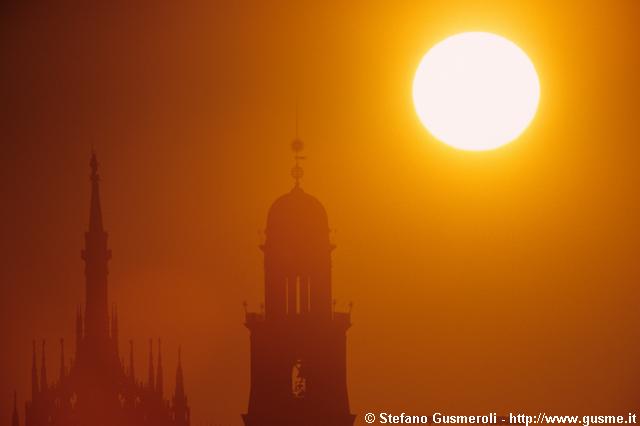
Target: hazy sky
<point>501,281</point>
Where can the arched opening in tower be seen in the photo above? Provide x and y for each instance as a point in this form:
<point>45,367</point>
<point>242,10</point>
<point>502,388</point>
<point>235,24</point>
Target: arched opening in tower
<point>298,295</point>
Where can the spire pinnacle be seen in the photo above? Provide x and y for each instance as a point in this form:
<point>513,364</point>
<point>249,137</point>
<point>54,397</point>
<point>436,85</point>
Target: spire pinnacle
<point>78,331</point>
<point>132,373</point>
<point>96,256</point>
<point>15,420</point>
<point>62,367</point>
<point>94,166</point>
<point>180,408</point>
<point>34,375</point>
<point>114,327</point>
<point>179,392</point>
<point>151,378</point>
<point>159,376</point>
<point>95,218</point>
<point>43,369</point>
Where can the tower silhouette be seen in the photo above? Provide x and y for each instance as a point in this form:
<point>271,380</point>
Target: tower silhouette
<point>298,344</point>
<point>96,389</point>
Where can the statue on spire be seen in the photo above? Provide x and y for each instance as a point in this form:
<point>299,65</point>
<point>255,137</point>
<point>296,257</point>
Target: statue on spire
<point>94,167</point>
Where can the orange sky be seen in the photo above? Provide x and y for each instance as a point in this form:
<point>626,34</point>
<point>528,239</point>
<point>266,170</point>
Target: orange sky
<point>502,281</point>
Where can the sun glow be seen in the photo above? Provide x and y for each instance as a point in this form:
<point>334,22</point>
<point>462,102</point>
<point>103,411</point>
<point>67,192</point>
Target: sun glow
<point>476,91</point>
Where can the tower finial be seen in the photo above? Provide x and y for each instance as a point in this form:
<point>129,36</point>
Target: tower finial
<point>296,117</point>
<point>297,172</point>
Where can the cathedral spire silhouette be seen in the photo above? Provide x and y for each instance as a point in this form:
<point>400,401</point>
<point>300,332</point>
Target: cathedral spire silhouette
<point>95,388</point>
<point>96,256</point>
<point>181,410</point>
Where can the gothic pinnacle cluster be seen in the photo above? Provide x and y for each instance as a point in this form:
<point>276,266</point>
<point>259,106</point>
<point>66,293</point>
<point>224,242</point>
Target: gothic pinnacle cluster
<point>96,389</point>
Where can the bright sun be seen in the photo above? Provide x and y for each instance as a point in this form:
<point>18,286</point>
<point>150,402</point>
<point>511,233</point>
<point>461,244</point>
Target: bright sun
<point>476,91</point>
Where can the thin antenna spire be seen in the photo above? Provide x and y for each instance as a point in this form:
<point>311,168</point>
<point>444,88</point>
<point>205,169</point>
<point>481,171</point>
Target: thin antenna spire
<point>297,146</point>
<point>297,110</point>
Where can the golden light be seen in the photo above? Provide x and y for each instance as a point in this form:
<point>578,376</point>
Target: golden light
<point>476,91</point>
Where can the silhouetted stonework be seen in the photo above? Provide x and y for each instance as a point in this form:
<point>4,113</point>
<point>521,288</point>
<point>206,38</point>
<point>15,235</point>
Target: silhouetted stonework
<point>96,389</point>
<point>298,344</point>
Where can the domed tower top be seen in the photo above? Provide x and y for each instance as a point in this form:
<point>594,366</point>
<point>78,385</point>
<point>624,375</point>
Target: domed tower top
<point>297,216</point>
<point>297,252</point>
